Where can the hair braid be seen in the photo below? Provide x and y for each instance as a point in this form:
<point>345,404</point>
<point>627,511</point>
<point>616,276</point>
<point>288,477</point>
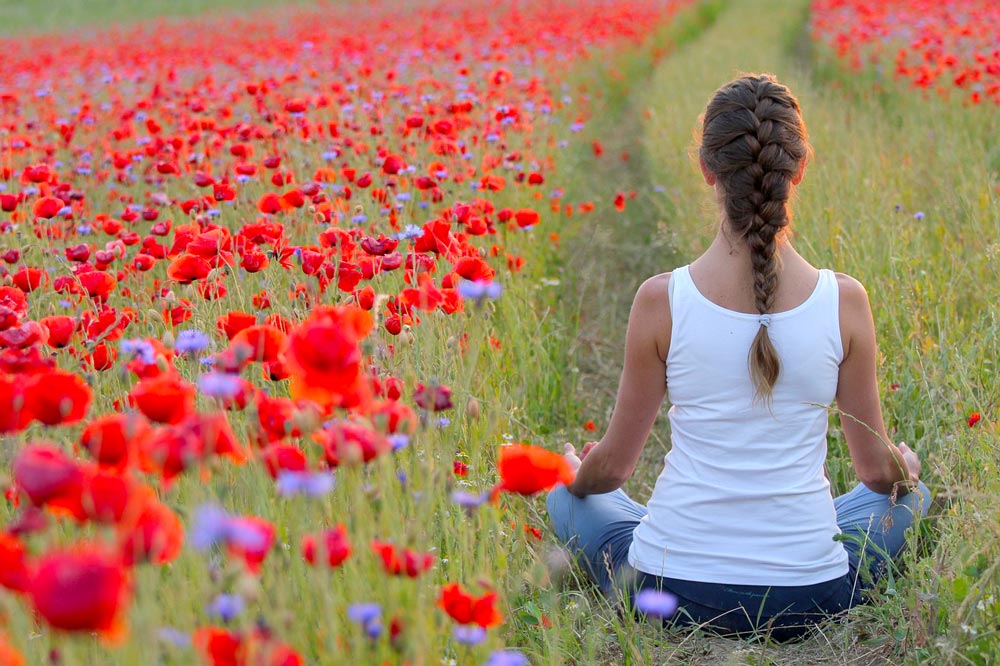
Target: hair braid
<point>754,142</point>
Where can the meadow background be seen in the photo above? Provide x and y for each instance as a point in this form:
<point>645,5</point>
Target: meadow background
<point>903,194</point>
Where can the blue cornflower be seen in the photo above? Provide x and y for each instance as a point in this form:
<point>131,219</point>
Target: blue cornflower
<point>410,232</point>
<point>226,607</point>
<point>468,500</point>
<point>191,341</point>
<point>174,636</point>
<point>368,616</point>
<point>507,658</point>
<point>141,349</point>
<point>468,634</point>
<point>479,290</point>
<point>398,441</point>
<point>311,484</point>
<point>213,525</point>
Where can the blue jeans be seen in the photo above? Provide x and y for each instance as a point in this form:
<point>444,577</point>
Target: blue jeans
<point>598,529</point>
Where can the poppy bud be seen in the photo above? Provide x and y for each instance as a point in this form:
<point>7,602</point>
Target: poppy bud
<point>472,409</point>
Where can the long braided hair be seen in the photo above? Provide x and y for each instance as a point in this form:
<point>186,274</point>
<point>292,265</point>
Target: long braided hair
<point>754,142</point>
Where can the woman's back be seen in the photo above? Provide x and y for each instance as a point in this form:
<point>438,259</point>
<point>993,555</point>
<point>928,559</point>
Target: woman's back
<point>742,496</point>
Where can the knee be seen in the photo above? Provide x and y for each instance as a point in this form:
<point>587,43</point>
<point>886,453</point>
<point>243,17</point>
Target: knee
<point>558,504</point>
<point>557,501</point>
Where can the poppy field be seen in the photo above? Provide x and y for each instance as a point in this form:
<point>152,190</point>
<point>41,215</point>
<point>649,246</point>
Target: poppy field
<point>297,306</point>
<point>248,288</point>
<point>949,48</point>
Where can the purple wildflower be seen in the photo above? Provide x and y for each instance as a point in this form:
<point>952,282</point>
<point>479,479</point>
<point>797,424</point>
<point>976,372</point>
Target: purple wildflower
<point>507,658</point>
<point>468,500</point>
<point>468,634</point>
<point>369,616</point>
<point>364,613</point>
<point>310,484</point>
<point>226,607</point>
<point>141,349</point>
<point>175,637</point>
<point>212,525</point>
<point>398,441</point>
<point>219,384</point>
<point>656,603</point>
<point>479,290</point>
<point>191,341</point>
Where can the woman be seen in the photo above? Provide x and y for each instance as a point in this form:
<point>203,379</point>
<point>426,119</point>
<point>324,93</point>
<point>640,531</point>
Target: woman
<point>755,344</point>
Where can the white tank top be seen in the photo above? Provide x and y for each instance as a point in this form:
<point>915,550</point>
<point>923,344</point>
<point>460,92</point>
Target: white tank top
<point>742,498</point>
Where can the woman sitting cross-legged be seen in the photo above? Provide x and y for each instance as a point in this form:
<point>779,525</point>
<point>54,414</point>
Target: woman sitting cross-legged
<point>752,344</point>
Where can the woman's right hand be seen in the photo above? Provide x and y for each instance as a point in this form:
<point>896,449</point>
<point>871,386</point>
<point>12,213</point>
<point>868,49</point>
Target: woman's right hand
<point>912,461</point>
<point>587,449</point>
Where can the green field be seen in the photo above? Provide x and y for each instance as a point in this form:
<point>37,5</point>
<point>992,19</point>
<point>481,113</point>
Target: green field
<point>933,280</point>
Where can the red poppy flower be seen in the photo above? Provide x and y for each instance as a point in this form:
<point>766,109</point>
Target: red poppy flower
<point>14,571</point>
<point>280,457</point>
<point>56,396</point>
<point>152,534</point>
<point>345,443</point>
<point>434,398</point>
<point>47,207</point>
<point>332,543</point>
<point>165,398</point>
<point>82,588</point>
<point>48,477</point>
<point>171,450</point>
<point>527,217</point>
<point>26,334</point>
<point>402,561</point>
<point>188,268</point>
<point>98,284</point>
<point>219,647</point>
<point>269,203</point>
<point>324,358</point>
<point>14,415</point>
<point>13,306</point>
<point>265,341</point>
<point>110,439</point>
<point>464,608</point>
<point>393,164</point>
<point>29,278</point>
<point>974,418</point>
<point>61,329</point>
<point>254,550</point>
<point>527,469</point>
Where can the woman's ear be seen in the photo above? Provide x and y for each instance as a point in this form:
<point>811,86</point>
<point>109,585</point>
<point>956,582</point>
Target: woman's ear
<point>709,176</point>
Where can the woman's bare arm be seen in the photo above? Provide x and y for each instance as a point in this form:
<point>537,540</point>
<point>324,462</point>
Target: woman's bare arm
<point>607,465</point>
<point>879,463</point>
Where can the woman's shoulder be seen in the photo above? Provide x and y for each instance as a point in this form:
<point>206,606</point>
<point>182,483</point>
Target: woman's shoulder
<point>654,292</point>
<point>853,294</point>
<point>651,313</point>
